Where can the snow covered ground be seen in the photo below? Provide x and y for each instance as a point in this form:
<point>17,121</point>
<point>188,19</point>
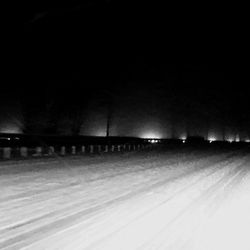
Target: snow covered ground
<point>159,199</point>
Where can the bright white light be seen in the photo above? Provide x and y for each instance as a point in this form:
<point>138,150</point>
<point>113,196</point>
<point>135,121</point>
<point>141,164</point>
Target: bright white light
<point>237,138</point>
<point>153,141</point>
<point>211,139</point>
<point>183,137</point>
<point>5,138</point>
<point>247,140</point>
<point>151,135</point>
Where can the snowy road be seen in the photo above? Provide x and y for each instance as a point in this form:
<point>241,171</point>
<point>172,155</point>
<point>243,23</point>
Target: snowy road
<point>175,199</point>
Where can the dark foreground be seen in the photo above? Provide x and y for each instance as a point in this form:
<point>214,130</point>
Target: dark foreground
<point>165,199</point>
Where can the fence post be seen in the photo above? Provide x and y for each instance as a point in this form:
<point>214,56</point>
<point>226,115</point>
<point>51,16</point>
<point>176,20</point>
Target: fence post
<point>106,148</point>
<point>62,152</point>
<point>99,148</point>
<point>119,148</point>
<point>73,150</point>
<point>38,151</point>
<point>83,149</point>
<point>51,150</point>
<point>134,147</point>
<point>112,148</point>
<point>23,151</point>
<point>6,153</point>
<point>91,149</point>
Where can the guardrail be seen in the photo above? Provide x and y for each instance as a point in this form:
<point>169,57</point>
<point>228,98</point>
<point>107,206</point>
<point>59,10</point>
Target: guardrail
<point>7,153</point>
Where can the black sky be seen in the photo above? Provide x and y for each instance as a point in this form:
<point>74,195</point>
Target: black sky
<point>74,53</point>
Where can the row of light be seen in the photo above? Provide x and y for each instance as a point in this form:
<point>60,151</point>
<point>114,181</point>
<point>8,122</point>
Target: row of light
<point>156,140</point>
<point>230,140</point>
<point>153,140</point>
<point>210,140</point>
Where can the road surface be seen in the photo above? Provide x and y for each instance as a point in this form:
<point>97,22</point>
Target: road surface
<point>164,199</point>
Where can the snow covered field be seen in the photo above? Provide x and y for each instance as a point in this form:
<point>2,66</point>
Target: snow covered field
<point>160,199</point>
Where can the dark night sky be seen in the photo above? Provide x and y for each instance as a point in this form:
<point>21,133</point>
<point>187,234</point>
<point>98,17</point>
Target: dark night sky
<point>154,67</point>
